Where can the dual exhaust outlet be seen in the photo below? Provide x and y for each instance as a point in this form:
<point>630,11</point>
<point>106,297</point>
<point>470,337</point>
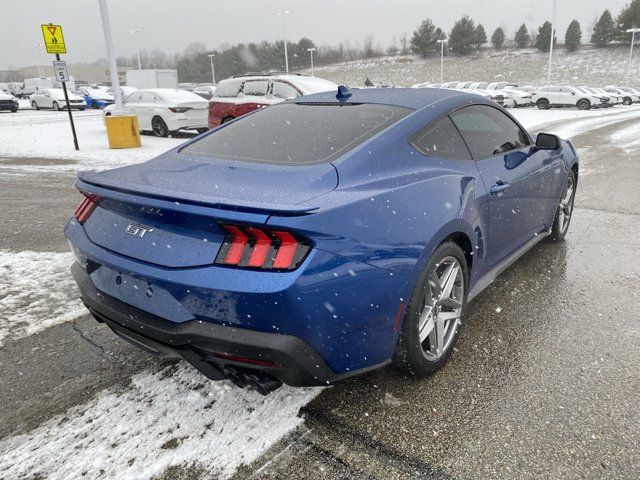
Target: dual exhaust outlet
<point>260,382</point>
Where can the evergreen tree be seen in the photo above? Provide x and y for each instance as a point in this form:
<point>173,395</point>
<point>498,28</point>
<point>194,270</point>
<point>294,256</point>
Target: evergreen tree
<point>522,37</point>
<point>543,39</point>
<point>604,31</point>
<point>463,35</point>
<point>497,39</point>
<point>573,36</point>
<point>629,18</point>
<point>480,36</point>
<point>423,41</point>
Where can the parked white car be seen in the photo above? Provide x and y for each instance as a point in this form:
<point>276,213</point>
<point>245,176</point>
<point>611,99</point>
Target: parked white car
<point>521,98</point>
<point>629,95</point>
<point>164,111</point>
<point>205,91</point>
<point>557,96</point>
<point>124,91</point>
<point>54,98</point>
<point>481,87</point>
<point>608,99</point>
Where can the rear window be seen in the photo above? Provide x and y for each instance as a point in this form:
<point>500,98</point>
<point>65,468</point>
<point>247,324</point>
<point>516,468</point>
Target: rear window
<point>297,134</point>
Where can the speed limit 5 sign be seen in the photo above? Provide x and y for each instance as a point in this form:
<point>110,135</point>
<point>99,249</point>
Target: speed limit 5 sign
<point>60,71</point>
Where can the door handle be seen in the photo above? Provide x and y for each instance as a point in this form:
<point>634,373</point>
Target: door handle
<point>499,187</point>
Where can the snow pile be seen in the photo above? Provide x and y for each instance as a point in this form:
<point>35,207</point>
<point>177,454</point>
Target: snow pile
<point>172,417</point>
<point>40,134</point>
<point>36,292</point>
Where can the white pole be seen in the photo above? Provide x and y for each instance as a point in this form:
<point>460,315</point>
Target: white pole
<point>311,50</point>
<point>113,68</point>
<point>213,72</point>
<point>553,31</point>
<point>135,40</point>
<point>39,60</point>
<point>632,31</point>
<point>441,42</point>
<point>284,35</point>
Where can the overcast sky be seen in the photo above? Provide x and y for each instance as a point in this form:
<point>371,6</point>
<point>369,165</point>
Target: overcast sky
<point>171,25</point>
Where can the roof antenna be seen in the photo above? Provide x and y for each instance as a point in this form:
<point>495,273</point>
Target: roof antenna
<point>343,93</point>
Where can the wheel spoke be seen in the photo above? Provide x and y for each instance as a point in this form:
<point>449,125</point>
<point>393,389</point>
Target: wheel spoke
<point>449,279</point>
<point>451,302</point>
<point>439,343</point>
<point>425,325</point>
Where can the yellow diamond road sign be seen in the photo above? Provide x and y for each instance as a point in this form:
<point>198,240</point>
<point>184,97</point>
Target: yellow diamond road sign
<point>53,39</point>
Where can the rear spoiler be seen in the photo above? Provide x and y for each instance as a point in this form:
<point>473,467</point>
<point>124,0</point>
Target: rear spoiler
<point>198,202</point>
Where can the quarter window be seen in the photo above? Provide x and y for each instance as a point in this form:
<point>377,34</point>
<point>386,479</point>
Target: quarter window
<point>228,88</point>
<point>488,132</point>
<point>441,140</point>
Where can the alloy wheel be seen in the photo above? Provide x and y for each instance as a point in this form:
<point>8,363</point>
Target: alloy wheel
<point>441,309</point>
<point>159,127</point>
<point>565,208</point>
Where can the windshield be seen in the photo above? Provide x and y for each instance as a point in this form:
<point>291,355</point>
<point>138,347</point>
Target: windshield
<point>296,134</point>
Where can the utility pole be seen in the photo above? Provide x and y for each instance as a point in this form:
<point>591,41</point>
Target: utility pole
<point>311,50</point>
<point>213,72</point>
<point>633,32</point>
<point>553,32</point>
<point>111,56</point>
<point>442,42</point>
<point>284,36</point>
<point>135,33</point>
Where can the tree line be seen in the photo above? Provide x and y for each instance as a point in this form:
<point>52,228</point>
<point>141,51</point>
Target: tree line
<point>193,64</point>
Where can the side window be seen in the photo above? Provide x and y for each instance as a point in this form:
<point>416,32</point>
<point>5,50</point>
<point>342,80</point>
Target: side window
<point>133,98</point>
<point>555,89</point>
<point>488,132</point>
<point>284,90</point>
<point>146,97</point>
<point>228,88</point>
<point>255,88</point>
<point>441,140</point>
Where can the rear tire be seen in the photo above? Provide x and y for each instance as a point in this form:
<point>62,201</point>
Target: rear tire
<point>226,119</point>
<point>583,104</point>
<point>543,104</point>
<point>56,107</point>
<point>627,101</point>
<point>432,322</point>
<point>564,212</point>
<point>159,127</point>
<point>34,105</point>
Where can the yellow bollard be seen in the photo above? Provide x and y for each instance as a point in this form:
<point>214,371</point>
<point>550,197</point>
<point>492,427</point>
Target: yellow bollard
<point>122,131</point>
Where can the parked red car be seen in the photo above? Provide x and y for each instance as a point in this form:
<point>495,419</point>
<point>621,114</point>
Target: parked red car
<point>243,94</point>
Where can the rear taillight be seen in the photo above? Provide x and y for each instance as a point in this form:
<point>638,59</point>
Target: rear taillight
<point>266,249</point>
<point>86,208</point>
<point>180,109</point>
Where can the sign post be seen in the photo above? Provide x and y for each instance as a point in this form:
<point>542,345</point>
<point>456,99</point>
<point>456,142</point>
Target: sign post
<point>54,43</point>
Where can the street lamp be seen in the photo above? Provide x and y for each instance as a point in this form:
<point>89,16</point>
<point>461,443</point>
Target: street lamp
<point>553,26</point>
<point>213,72</point>
<point>442,42</point>
<point>284,35</point>
<point>311,50</point>
<point>135,33</point>
<point>39,59</point>
<point>633,32</point>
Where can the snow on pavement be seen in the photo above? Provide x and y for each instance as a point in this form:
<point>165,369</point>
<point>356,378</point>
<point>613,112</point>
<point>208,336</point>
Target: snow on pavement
<point>47,134</point>
<point>36,292</point>
<point>171,417</point>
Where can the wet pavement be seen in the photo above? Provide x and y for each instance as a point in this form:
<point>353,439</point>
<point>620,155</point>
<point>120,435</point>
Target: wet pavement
<point>544,383</point>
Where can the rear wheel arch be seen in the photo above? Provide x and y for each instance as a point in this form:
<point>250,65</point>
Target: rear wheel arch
<point>464,242</point>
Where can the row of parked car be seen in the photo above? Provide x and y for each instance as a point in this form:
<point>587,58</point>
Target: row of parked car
<point>512,95</point>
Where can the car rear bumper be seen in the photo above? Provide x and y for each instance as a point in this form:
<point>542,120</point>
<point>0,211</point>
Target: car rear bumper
<point>211,348</point>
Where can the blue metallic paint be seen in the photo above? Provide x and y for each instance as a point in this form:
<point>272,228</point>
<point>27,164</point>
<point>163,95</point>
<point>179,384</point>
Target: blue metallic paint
<point>372,231</point>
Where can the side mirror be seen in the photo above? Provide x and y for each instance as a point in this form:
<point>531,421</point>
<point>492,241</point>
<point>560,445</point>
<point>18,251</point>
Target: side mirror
<point>573,93</point>
<point>547,141</point>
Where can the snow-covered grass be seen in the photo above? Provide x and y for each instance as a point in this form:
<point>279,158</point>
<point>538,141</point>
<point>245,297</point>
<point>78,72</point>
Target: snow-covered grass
<point>47,134</point>
<point>588,66</point>
<point>36,292</point>
<point>172,417</point>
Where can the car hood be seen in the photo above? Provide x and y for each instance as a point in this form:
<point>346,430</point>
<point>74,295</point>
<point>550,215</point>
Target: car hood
<point>220,182</point>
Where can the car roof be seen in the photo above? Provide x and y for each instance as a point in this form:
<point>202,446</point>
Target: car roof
<point>414,98</point>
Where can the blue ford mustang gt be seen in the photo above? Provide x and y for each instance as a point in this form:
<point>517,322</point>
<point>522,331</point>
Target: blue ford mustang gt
<point>322,237</point>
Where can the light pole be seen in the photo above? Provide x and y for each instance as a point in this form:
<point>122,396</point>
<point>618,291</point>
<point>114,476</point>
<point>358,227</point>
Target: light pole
<point>442,42</point>
<point>39,59</point>
<point>213,72</point>
<point>284,35</point>
<point>111,56</point>
<point>311,50</point>
<point>135,33</point>
<point>632,31</point>
<point>553,27</point>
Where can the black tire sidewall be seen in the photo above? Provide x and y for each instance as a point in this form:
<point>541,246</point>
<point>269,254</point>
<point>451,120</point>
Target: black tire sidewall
<point>165,132</point>
<point>408,354</point>
<point>556,234</point>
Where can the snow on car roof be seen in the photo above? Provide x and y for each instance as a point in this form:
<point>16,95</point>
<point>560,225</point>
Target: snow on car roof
<point>175,95</point>
<point>310,84</point>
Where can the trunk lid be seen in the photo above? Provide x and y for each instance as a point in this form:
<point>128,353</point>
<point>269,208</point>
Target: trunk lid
<point>167,211</point>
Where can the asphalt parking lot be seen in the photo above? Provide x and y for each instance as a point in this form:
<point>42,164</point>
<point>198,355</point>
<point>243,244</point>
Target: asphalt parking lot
<point>545,381</point>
